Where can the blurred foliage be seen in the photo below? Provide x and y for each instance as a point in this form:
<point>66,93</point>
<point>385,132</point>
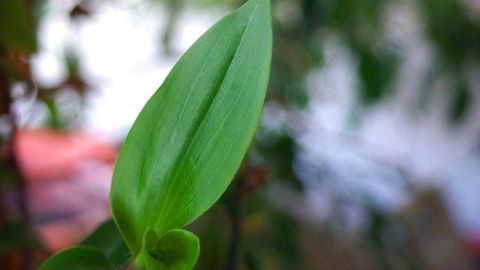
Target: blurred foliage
<point>248,228</point>
<point>300,29</point>
<point>455,35</point>
<point>456,38</point>
<point>17,234</point>
<point>16,26</point>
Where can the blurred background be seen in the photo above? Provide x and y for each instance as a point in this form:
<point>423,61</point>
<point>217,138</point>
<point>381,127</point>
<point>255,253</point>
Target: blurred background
<point>367,156</point>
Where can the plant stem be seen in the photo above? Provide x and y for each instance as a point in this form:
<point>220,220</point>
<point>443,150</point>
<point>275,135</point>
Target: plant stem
<point>236,215</point>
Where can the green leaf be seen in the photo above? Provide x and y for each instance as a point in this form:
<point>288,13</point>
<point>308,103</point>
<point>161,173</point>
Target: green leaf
<point>104,248</point>
<point>376,71</point>
<point>17,30</point>
<point>77,258</point>
<point>177,249</point>
<point>108,239</point>
<point>190,138</point>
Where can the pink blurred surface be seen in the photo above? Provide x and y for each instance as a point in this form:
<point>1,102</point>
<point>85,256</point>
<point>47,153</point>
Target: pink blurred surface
<point>68,175</point>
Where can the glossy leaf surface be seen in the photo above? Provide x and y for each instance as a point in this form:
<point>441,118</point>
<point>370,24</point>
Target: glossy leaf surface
<point>176,249</point>
<point>190,138</point>
<point>108,239</point>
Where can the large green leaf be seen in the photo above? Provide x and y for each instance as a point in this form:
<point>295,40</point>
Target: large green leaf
<point>77,258</point>
<point>190,138</point>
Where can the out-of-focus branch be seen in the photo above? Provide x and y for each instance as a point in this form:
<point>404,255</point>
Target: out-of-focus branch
<point>248,180</point>
<point>13,195</point>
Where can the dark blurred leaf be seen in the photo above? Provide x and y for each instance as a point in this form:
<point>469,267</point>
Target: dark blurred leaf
<point>296,52</point>
<point>284,238</point>
<point>358,21</point>
<point>215,228</point>
<point>279,152</point>
<point>253,259</point>
<point>77,258</point>
<point>296,95</point>
<point>376,71</point>
<point>17,31</point>
<point>107,239</point>
<point>314,12</point>
<point>460,102</point>
<point>16,234</point>
<point>455,36</point>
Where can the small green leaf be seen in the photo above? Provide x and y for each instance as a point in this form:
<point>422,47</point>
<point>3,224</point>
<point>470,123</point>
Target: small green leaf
<point>177,249</point>
<point>108,239</point>
<point>190,138</point>
<point>77,258</point>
